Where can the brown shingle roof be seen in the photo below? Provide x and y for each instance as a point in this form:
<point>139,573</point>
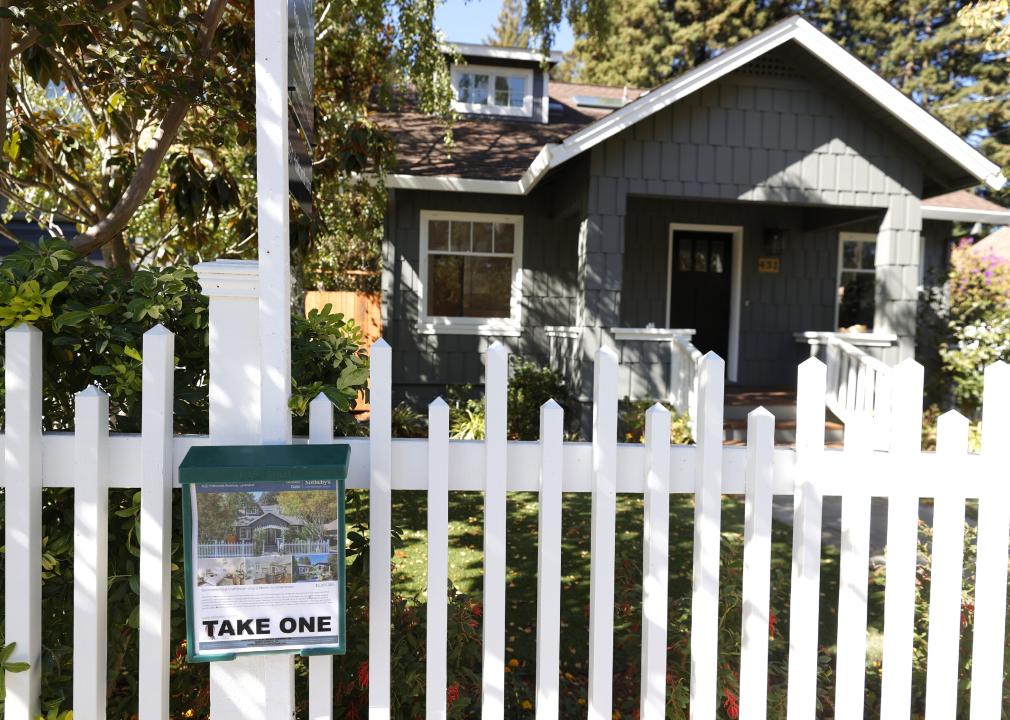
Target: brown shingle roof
<point>964,199</point>
<point>489,148</point>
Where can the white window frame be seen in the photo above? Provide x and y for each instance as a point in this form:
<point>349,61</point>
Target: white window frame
<point>492,72</point>
<point>435,324</point>
<point>861,237</point>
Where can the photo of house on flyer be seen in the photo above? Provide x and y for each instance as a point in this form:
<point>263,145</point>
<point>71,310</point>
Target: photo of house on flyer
<point>268,565</point>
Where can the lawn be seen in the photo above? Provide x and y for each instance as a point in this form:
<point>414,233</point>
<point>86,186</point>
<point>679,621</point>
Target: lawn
<point>465,572</point>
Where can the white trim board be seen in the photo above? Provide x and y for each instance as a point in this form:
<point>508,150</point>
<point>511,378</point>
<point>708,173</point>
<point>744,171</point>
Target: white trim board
<point>972,215</point>
<point>735,286</point>
<point>796,29</point>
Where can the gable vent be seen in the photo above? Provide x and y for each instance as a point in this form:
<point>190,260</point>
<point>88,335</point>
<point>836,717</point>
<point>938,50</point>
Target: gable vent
<point>770,66</point>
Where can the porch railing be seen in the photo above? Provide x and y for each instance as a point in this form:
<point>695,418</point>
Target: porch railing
<point>685,364</point>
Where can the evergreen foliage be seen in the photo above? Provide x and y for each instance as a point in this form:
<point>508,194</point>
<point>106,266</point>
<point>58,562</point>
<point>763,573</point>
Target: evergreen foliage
<point>510,29</point>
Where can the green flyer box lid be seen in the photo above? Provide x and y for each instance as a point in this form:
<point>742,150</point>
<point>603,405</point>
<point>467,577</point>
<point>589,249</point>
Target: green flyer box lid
<point>224,463</point>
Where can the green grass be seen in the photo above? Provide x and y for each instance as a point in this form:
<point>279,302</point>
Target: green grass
<point>465,572</point>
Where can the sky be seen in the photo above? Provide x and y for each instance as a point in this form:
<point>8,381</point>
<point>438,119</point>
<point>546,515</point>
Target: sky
<point>471,21</point>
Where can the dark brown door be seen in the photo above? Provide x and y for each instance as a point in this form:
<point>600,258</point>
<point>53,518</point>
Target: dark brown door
<point>700,287</point>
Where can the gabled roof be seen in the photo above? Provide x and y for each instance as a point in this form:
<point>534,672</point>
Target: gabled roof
<point>964,206</point>
<point>901,108</point>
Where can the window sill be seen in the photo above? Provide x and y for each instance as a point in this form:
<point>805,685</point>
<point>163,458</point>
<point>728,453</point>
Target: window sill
<point>477,328</point>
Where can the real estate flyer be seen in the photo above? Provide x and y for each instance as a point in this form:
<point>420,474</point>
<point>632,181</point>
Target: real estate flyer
<point>267,565</point>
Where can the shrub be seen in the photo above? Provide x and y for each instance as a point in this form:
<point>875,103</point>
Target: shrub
<point>93,320</point>
<point>631,422</point>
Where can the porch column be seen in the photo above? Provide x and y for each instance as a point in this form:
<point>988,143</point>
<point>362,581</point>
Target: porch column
<point>601,262</point>
<point>897,273</point>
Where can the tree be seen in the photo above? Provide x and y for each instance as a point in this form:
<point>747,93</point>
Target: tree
<point>990,18</point>
<point>510,29</point>
<point>918,45</point>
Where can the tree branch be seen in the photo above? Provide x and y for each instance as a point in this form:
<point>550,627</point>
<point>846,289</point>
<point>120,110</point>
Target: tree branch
<point>32,36</point>
<point>5,69</point>
<point>116,219</point>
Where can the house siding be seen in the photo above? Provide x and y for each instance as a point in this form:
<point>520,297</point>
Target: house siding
<point>423,364</point>
<point>754,137</point>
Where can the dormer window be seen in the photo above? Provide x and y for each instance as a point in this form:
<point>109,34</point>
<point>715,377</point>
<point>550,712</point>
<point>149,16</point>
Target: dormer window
<point>493,90</point>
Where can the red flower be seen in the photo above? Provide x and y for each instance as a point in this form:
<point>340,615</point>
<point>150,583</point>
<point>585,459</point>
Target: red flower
<point>771,623</point>
<point>476,609</point>
<point>452,694</point>
<point>363,674</point>
<point>731,704</point>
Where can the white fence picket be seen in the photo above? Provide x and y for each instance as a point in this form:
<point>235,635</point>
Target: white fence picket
<point>707,528</point>
<point>804,596</point>
<point>158,388</point>
<point>988,644</point>
<point>495,474</point>
<point>91,553</point>
<point>853,578</point>
<point>757,555</point>
<point>23,518</point>
<point>552,419</point>
<point>943,648</point>
<point>321,666</point>
<point>438,558</point>
<point>379,529</point>
<point>902,543</point>
<point>601,561</point>
<point>655,562</point>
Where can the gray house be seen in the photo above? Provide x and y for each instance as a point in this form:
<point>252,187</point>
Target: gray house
<point>778,193</point>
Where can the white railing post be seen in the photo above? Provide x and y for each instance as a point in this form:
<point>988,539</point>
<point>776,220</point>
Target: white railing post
<point>804,596</point>
<point>496,448</point>
<point>436,679</point>
<point>944,639</point>
<point>91,553</point>
<point>902,543</point>
<point>321,666</point>
<point>379,528</point>
<point>853,581</point>
<point>757,555</point>
<point>552,419</point>
<point>655,562</point>
<point>601,562</point>
<point>988,643</point>
<point>23,517</point>
<point>707,528</point>
<point>156,523</point>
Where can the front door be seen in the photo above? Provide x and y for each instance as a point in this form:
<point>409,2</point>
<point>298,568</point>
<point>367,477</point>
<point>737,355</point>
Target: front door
<point>700,287</point>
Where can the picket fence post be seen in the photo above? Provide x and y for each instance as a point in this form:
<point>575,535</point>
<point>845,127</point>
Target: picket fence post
<point>495,448</point>
<point>321,666</point>
<point>707,538</point>
<point>757,554</point>
<point>944,639</point>
<point>155,522</point>
<point>91,552</point>
<point>988,643</point>
<point>436,679</point>
<point>552,419</point>
<point>902,542</point>
<point>601,552</point>
<point>804,596</point>
<point>379,528</point>
<point>23,517</point>
<point>853,579</point>
<point>655,562</point>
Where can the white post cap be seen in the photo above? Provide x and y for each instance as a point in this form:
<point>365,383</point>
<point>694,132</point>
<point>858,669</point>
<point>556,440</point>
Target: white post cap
<point>229,278</point>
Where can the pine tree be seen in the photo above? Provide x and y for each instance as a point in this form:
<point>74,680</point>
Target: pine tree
<point>510,30</point>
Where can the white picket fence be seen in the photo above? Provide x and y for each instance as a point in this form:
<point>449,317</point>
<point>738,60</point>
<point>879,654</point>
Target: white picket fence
<point>91,461</point>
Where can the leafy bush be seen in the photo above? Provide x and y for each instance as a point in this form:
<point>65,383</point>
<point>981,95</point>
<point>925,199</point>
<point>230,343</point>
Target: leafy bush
<point>530,386</point>
<point>977,322</point>
<point>631,422</point>
<point>93,320</point>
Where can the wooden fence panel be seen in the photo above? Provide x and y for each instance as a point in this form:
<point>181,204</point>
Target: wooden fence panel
<point>552,419</point>
<point>364,308</point>
<point>438,558</point>
<point>380,526</point>
<point>321,666</point>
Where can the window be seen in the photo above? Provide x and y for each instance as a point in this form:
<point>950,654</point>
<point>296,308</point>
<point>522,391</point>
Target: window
<point>470,272</point>
<point>495,91</point>
<point>856,281</point>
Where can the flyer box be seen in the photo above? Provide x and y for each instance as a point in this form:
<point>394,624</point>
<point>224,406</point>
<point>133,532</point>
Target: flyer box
<point>263,541</point>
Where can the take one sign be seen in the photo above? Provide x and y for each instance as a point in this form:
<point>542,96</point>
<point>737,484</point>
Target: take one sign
<point>264,549</point>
